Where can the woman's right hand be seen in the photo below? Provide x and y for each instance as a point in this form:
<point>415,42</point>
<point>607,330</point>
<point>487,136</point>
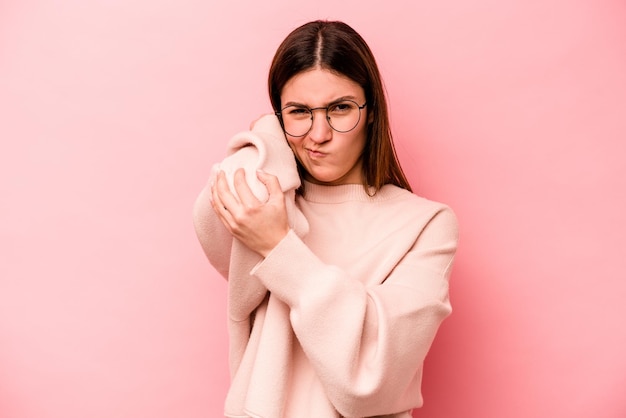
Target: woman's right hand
<point>259,225</point>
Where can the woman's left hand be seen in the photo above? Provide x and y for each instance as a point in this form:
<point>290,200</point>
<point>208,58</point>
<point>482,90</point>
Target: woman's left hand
<point>259,225</point>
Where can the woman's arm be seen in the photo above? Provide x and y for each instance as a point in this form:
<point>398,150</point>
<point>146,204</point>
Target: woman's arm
<point>367,344</point>
<point>231,197</point>
<point>214,238</point>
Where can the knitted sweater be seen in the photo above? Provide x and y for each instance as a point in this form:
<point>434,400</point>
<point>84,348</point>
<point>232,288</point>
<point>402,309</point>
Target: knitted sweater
<point>351,308</point>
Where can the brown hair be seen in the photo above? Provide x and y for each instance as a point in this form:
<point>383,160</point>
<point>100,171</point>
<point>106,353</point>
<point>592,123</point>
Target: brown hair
<point>335,46</point>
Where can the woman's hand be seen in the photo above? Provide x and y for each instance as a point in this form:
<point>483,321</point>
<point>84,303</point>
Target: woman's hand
<point>259,225</point>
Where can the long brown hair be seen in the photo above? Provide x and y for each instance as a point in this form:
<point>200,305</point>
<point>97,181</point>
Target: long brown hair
<point>335,46</point>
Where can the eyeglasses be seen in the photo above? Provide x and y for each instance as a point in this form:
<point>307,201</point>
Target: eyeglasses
<point>342,116</point>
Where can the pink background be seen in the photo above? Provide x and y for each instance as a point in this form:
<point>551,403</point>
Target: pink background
<point>111,112</point>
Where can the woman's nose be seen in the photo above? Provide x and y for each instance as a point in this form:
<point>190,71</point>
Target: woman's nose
<point>320,129</point>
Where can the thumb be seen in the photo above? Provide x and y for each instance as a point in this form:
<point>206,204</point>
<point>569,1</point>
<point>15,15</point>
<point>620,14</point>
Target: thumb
<point>271,182</point>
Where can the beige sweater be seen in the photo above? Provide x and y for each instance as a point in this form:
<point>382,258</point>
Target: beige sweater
<point>354,303</point>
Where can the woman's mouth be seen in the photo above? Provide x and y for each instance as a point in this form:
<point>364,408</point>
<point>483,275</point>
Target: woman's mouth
<point>314,153</point>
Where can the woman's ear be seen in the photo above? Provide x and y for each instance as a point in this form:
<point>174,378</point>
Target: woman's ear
<point>370,117</point>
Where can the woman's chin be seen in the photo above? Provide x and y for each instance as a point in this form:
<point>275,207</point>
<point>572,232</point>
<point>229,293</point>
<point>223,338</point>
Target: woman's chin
<point>320,178</point>
<point>326,180</point>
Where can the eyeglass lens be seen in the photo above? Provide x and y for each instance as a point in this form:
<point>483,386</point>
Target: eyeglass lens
<point>342,116</point>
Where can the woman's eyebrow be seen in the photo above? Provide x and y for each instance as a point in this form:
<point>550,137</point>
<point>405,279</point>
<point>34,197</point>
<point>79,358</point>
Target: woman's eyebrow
<point>339,99</point>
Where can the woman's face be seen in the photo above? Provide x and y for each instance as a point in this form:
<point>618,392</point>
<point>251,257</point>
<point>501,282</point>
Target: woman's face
<point>329,157</point>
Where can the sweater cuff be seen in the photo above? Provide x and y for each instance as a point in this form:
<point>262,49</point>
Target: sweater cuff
<point>289,269</point>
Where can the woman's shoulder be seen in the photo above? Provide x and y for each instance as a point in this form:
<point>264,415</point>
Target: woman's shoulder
<point>405,197</point>
<point>402,202</point>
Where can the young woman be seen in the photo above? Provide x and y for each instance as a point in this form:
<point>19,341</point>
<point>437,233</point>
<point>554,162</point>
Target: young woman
<point>338,273</point>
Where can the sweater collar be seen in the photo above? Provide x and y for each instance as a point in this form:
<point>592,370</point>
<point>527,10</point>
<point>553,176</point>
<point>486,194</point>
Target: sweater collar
<point>347,192</point>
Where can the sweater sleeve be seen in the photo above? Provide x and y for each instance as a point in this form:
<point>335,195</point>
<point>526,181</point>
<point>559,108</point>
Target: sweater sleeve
<point>367,343</point>
<point>215,240</point>
<point>265,148</point>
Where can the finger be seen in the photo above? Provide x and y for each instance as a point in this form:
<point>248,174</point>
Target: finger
<point>216,202</point>
<point>275,192</point>
<point>271,182</point>
<point>223,195</point>
<point>243,190</point>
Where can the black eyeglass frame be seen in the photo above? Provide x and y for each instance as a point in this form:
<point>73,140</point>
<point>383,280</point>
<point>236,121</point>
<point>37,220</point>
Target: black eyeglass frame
<point>282,124</point>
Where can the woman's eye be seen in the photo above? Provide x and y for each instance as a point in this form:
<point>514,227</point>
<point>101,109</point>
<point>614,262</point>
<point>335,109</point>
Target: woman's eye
<point>341,107</point>
<point>298,111</point>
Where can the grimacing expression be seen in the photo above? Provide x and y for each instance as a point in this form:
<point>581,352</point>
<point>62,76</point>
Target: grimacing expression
<point>329,157</point>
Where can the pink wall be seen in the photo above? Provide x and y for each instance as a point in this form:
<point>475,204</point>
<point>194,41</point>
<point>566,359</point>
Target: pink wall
<point>112,111</point>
